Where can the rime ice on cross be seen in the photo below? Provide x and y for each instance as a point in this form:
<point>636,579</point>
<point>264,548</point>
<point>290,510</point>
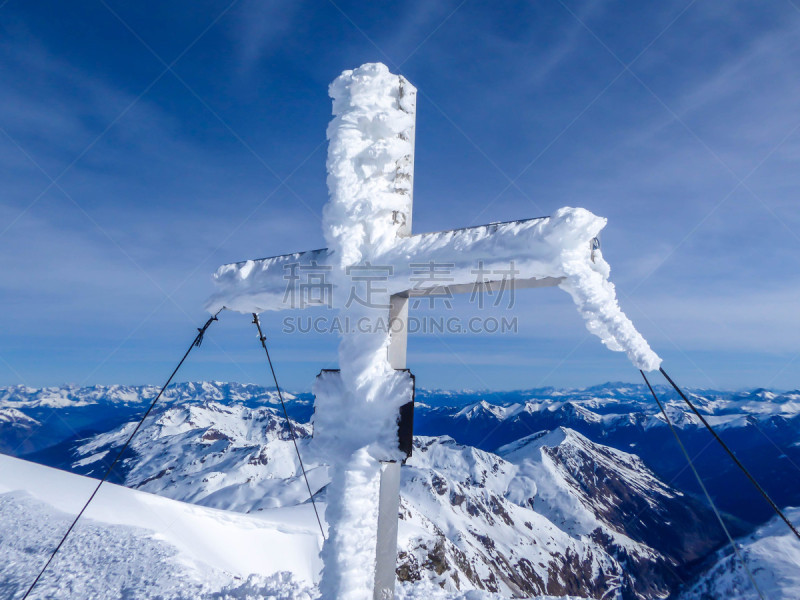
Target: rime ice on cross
<point>368,222</point>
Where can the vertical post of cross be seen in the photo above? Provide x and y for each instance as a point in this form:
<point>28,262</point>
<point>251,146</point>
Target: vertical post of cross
<point>389,501</point>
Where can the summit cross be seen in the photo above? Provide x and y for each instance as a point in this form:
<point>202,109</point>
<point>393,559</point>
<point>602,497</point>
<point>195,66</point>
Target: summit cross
<point>367,224</point>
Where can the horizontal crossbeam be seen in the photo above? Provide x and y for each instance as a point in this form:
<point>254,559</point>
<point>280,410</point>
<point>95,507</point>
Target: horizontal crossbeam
<point>466,260</point>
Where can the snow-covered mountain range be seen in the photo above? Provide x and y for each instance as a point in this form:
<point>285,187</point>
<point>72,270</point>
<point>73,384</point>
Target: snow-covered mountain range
<point>773,557</point>
<point>762,425</point>
<point>555,513</point>
<point>522,493</point>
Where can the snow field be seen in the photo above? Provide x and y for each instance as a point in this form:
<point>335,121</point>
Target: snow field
<point>237,544</point>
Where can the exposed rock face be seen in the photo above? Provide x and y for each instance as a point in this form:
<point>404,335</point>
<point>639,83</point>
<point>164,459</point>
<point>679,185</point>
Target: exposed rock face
<point>550,513</point>
<point>565,517</point>
<point>555,514</point>
<point>628,498</point>
<point>761,423</point>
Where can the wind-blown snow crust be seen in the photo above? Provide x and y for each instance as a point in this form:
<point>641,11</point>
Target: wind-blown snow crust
<point>188,550</point>
<point>370,161</point>
<point>368,219</point>
<point>556,246</point>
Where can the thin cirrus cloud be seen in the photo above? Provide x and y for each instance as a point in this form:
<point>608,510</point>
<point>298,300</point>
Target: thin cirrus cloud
<point>520,112</point>
<point>260,27</point>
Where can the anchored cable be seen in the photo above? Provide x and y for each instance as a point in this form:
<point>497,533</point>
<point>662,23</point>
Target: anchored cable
<point>703,487</point>
<point>730,452</point>
<point>201,331</point>
<point>263,339</point>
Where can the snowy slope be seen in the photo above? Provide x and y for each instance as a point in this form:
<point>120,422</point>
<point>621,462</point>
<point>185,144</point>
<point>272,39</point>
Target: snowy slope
<point>459,531</point>
<point>225,456</point>
<point>139,542</point>
<point>62,413</point>
<point>581,485</point>
<point>762,426</point>
<point>602,511</point>
<point>557,514</point>
<point>16,428</point>
<point>471,520</point>
<point>138,546</point>
<point>773,555</point>
<point>240,459</point>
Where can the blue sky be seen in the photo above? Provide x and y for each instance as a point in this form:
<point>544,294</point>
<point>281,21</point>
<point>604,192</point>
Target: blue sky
<point>144,144</point>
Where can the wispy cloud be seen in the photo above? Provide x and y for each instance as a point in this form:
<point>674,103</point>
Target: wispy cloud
<point>260,28</point>
<point>170,185</point>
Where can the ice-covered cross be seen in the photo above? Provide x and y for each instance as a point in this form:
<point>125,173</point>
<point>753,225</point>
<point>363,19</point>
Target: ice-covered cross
<point>367,224</point>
